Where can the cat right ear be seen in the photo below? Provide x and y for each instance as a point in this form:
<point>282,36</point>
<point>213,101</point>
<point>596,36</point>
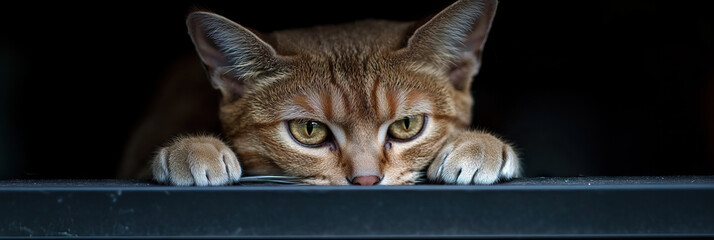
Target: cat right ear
<point>453,40</point>
<point>235,58</point>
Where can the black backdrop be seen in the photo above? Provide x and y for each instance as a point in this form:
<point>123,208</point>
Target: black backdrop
<point>580,87</point>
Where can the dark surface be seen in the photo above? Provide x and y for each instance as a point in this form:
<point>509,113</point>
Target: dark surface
<point>627,181</point>
<point>580,87</point>
<point>523,208</point>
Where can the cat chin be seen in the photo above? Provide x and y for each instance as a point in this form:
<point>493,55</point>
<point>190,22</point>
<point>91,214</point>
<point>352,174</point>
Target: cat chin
<point>325,181</point>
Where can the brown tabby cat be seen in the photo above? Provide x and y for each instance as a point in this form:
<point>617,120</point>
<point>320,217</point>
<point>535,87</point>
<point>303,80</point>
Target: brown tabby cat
<point>370,102</point>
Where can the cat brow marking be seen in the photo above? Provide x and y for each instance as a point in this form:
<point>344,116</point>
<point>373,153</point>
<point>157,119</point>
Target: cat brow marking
<point>397,104</point>
<point>387,102</point>
<point>334,106</point>
<point>315,106</point>
<point>330,107</point>
<point>326,100</point>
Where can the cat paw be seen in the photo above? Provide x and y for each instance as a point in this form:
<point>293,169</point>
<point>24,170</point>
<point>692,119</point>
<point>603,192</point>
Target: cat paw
<point>197,161</point>
<point>474,158</point>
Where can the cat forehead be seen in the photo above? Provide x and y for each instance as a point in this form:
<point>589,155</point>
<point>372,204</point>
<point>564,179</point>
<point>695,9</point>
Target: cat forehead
<point>374,87</point>
<point>348,72</point>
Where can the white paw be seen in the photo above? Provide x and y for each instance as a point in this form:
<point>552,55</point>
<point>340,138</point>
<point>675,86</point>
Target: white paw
<point>474,158</point>
<point>197,161</point>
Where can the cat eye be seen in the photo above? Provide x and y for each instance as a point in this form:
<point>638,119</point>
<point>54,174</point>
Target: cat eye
<point>310,133</point>
<point>406,128</point>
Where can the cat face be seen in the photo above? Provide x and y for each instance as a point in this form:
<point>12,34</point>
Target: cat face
<point>332,104</point>
<point>331,123</point>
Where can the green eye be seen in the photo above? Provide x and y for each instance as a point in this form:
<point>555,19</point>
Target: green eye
<point>308,132</point>
<point>406,128</point>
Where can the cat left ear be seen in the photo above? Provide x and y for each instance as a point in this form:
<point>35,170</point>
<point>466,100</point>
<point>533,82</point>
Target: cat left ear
<point>235,57</point>
<point>453,40</point>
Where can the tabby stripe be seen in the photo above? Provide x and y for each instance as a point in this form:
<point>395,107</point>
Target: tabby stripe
<point>343,106</point>
<point>392,101</point>
<point>326,101</point>
<point>373,94</point>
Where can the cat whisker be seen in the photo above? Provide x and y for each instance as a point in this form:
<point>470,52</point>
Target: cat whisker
<point>271,179</point>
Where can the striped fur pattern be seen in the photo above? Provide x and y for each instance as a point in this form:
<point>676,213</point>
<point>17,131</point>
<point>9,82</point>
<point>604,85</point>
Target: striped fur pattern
<point>357,79</point>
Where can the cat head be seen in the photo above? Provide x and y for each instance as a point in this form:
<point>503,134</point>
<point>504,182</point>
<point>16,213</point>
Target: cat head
<point>366,102</point>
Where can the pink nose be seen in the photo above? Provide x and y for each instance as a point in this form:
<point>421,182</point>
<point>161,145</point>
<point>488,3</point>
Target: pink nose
<point>365,180</point>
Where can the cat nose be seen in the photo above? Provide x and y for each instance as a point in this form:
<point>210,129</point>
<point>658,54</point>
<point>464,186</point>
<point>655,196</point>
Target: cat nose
<point>365,180</point>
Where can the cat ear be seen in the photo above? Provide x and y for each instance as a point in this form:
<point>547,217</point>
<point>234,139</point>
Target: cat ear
<point>453,40</point>
<point>235,58</point>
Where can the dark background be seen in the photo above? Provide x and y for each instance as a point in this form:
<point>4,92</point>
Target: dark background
<point>580,87</point>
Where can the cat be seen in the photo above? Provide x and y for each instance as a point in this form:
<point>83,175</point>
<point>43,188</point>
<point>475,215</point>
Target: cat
<point>371,102</point>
